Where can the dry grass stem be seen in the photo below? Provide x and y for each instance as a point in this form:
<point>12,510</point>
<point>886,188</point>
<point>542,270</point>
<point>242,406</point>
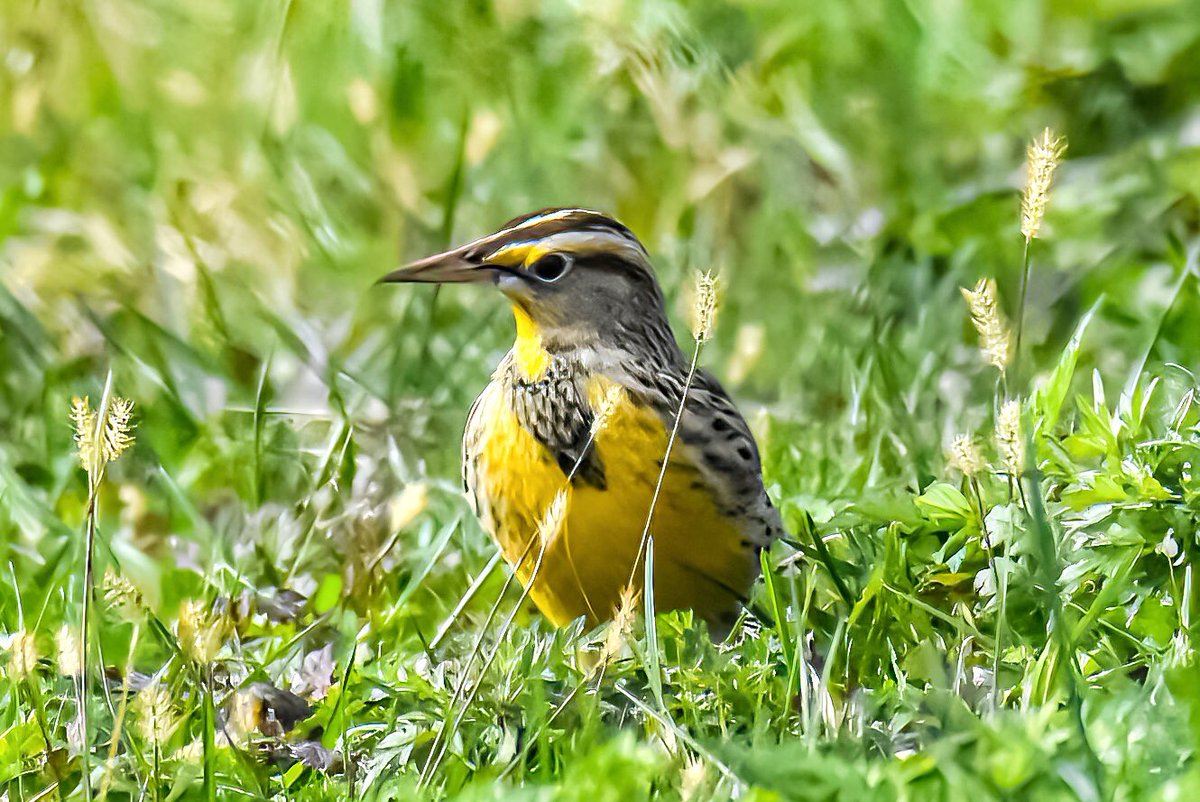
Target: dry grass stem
<point>705,316</point>
<point>101,437</point>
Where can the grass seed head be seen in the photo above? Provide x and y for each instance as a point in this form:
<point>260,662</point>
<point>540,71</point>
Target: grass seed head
<point>192,753</point>
<point>1042,158</point>
<point>704,312</point>
<point>995,340</point>
<point>121,594</point>
<point>693,778</point>
<point>156,713</point>
<point>405,508</point>
<point>84,420</point>
<point>201,633</point>
<point>22,655</point>
<point>1009,439</point>
<point>100,442</point>
<point>117,427</point>
<point>608,404</point>
<point>964,455</point>
<point>67,644</point>
<point>552,522</point>
<point>621,625</point>
<point>245,712</point>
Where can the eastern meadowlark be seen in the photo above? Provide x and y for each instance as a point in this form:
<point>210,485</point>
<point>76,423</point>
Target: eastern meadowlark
<point>593,341</point>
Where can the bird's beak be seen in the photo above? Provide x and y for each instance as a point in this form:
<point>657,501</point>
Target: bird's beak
<point>459,266</point>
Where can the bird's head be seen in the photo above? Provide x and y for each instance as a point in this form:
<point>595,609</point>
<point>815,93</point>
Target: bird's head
<point>574,275</point>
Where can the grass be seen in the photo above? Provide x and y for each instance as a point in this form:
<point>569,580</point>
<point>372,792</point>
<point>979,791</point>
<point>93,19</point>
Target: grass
<point>290,591</point>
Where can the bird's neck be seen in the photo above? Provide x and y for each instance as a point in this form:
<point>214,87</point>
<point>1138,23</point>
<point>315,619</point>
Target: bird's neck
<point>536,349</point>
<point>529,354</point>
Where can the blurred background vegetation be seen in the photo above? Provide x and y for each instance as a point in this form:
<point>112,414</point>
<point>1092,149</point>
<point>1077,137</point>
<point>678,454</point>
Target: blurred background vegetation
<point>197,196</point>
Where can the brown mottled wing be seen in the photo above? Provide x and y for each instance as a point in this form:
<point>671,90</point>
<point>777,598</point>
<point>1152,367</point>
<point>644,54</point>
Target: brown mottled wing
<point>472,438</point>
<point>715,438</point>
<point>729,459</point>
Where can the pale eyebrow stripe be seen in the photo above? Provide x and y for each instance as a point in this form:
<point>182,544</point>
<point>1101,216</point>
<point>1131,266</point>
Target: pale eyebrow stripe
<point>485,244</point>
<point>582,243</point>
<point>593,221</point>
<point>595,232</point>
<point>590,241</point>
<point>549,217</point>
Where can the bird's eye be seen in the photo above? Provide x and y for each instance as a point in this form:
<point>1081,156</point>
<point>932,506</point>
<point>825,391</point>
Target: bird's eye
<point>551,267</point>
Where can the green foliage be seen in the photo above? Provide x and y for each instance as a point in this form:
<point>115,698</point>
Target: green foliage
<point>199,195</point>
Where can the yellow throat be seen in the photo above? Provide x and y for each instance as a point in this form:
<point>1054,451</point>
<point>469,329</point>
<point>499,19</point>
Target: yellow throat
<point>528,354</point>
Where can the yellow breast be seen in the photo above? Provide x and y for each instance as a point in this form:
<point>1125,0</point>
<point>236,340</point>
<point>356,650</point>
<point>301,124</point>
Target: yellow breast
<point>700,558</point>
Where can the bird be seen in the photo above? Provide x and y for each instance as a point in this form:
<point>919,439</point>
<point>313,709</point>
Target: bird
<point>573,429</point>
